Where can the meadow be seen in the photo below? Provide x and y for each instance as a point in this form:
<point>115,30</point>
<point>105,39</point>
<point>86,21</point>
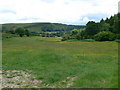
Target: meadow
<point>63,63</point>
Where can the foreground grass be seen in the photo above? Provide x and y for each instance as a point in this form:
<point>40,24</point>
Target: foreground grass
<point>63,64</point>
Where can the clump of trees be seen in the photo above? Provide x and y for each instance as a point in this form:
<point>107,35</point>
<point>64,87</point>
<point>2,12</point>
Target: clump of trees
<point>105,30</point>
<point>20,31</point>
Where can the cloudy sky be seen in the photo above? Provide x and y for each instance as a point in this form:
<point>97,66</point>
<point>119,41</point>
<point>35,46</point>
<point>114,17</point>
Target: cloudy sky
<point>77,12</point>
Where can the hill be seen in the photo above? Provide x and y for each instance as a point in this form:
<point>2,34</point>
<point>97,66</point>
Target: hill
<point>41,27</point>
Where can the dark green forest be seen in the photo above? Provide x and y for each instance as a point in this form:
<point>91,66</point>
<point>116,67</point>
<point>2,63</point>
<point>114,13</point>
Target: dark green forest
<point>105,30</point>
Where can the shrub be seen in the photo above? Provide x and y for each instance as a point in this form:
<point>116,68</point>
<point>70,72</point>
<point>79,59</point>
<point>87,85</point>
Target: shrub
<point>105,36</point>
<point>118,36</point>
<point>79,37</point>
<point>88,40</point>
<point>117,40</point>
<point>8,35</point>
<point>65,37</point>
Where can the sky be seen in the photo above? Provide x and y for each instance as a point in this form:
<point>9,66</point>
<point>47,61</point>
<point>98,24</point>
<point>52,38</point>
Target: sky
<point>71,12</point>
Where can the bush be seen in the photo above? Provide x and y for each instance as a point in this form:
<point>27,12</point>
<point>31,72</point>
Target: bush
<point>88,40</point>
<point>79,37</point>
<point>118,36</point>
<point>117,40</point>
<point>105,36</point>
<point>65,37</point>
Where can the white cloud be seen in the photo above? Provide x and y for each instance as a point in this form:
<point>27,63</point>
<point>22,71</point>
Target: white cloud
<point>86,19</point>
<point>62,11</point>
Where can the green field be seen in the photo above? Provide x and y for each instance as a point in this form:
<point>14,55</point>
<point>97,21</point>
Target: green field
<point>63,63</point>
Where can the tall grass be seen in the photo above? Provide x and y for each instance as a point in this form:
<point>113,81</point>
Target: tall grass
<point>95,64</point>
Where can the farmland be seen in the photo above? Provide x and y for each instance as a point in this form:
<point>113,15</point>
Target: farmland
<point>56,63</point>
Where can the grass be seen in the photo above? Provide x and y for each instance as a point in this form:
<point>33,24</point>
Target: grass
<point>7,35</point>
<point>94,64</point>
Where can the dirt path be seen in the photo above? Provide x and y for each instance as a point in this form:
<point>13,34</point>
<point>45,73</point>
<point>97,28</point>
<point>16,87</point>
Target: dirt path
<point>22,79</point>
<point>18,79</point>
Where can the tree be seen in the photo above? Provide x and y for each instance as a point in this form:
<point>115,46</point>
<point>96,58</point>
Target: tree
<point>105,27</point>
<point>107,20</point>
<point>111,20</point>
<point>74,31</point>
<point>20,31</point>
<point>27,33</point>
<point>92,28</point>
<point>81,35</point>
<point>101,21</point>
<point>116,25</point>
<point>11,31</point>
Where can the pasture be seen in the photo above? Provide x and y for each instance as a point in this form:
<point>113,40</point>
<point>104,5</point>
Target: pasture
<point>61,64</point>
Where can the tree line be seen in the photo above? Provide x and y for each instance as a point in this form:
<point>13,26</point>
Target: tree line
<point>105,30</point>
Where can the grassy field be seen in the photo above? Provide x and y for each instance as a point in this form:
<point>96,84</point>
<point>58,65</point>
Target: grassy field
<point>63,63</point>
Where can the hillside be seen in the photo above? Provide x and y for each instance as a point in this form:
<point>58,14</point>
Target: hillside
<point>40,27</point>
